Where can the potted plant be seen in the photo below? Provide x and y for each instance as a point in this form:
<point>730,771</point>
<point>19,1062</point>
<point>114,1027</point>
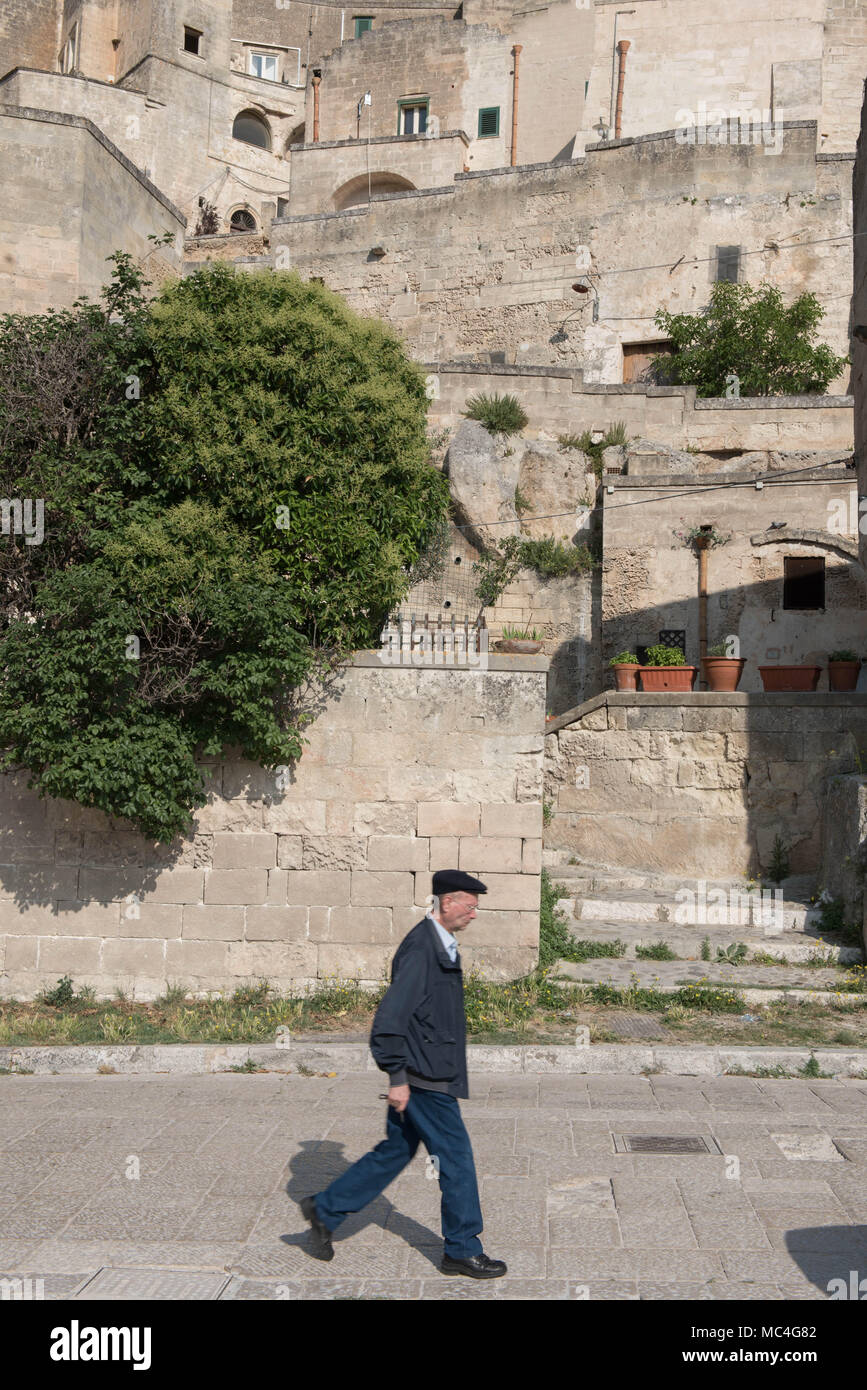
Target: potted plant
<point>625,667</point>
<point>788,678</point>
<point>843,668</point>
<point>666,669</point>
<point>519,641</point>
<point>721,671</point>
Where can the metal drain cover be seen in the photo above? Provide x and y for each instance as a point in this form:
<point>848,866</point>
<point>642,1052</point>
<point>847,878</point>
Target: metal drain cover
<point>665,1144</point>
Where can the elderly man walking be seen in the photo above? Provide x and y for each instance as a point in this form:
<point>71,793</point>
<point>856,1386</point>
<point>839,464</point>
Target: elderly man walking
<point>419,1038</point>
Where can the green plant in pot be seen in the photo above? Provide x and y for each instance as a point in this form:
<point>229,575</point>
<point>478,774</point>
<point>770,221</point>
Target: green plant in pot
<point>625,667</point>
<point>721,668</point>
<point>843,668</point>
<point>666,669</point>
<point>520,641</point>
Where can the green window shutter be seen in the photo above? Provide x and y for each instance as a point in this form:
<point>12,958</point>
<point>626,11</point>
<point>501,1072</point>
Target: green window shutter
<point>489,121</point>
<point>362,24</point>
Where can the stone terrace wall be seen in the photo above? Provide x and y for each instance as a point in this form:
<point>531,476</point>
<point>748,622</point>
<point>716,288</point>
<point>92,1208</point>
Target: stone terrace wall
<point>698,784</point>
<point>558,401</point>
<point>486,264</point>
<point>407,771</point>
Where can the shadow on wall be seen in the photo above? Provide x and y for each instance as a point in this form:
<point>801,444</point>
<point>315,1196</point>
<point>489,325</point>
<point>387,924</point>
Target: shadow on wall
<point>704,784</point>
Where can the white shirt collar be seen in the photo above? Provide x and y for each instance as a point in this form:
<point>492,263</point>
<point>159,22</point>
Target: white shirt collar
<point>449,941</point>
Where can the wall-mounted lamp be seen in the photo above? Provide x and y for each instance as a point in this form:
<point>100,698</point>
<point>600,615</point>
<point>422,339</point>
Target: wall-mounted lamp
<point>581,287</point>
<point>601,129</point>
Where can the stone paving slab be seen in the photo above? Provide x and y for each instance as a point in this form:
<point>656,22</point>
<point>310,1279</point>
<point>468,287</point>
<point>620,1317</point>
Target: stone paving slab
<point>195,1195</point>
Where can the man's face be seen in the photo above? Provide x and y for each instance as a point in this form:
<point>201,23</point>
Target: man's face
<point>457,910</point>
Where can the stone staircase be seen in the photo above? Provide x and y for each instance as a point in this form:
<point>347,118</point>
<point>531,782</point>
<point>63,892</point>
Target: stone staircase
<point>643,909</point>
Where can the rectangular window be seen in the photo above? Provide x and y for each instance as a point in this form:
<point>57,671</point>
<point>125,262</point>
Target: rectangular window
<point>264,65</point>
<point>489,122</point>
<point>728,263</point>
<point>192,40</point>
<point>412,118</point>
<point>69,56</point>
<point>803,582</point>
<point>363,22</point>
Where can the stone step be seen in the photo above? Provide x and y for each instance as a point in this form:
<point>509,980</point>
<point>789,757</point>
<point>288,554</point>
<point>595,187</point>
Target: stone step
<point>704,906</point>
<point>602,880</point>
<point>670,976</point>
<point>686,942</point>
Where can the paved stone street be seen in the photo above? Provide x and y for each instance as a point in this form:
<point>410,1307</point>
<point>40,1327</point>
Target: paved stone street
<point>224,1159</point>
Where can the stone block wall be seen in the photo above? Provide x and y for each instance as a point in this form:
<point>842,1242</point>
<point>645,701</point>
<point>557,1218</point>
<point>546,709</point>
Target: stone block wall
<point>501,281</point>
<point>859,318</point>
<point>698,784</point>
<point>844,845</point>
<point>407,771</point>
<point>73,198</point>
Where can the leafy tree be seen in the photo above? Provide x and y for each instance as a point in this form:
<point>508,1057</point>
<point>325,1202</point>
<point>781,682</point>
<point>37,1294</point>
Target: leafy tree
<point>236,492</point>
<point>749,333</point>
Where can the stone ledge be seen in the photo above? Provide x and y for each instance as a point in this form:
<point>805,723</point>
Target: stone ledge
<point>697,699</point>
<point>774,402</point>
<point>623,1058</point>
<point>496,661</point>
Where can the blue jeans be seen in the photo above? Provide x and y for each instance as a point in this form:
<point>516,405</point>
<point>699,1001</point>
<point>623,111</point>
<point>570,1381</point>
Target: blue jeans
<point>433,1119</point>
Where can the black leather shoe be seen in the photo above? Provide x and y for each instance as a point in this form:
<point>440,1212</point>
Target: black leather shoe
<point>320,1235</point>
<point>476,1266</point>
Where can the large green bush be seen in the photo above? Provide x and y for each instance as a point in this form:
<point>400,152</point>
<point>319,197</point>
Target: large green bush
<point>236,488</point>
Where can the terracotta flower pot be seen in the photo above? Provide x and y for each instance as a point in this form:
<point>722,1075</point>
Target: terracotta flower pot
<point>723,672</point>
<point>790,677</point>
<point>667,677</point>
<point>843,675</point>
<point>516,646</point>
<point>624,675</point>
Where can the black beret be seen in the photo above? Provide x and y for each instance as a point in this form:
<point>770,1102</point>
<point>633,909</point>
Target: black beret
<point>454,881</point>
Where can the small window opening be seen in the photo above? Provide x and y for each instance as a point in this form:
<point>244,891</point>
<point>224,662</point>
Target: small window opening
<point>192,40</point>
<point>803,582</point>
<point>728,263</point>
<point>243,221</point>
<point>412,118</point>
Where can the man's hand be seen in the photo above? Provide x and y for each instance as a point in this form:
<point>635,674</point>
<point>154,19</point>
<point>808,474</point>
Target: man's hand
<point>398,1096</point>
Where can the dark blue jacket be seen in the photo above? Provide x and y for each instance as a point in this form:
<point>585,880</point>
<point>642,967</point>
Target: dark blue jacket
<point>419,1030</point>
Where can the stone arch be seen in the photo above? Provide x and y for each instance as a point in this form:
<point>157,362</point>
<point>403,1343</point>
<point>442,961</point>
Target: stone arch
<point>251,127</point>
<point>798,536</point>
<point>354,192</point>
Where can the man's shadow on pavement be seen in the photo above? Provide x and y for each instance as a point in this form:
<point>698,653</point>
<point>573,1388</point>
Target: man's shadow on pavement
<point>316,1164</point>
<point>834,1258</point>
